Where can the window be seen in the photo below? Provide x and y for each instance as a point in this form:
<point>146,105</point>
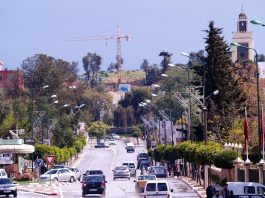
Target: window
<point>261,190</point>
<point>151,187</point>
<point>249,189</point>
<point>162,187</point>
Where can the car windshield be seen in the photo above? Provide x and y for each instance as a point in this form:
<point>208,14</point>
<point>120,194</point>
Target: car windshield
<point>5,181</point>
<point>146,177</point>
<point>121,168</point>
<point>158,168</point>
<point>58,166</point>
<point>53,171</point>
<point>131,166</point>
<point>143,155</point>
<point>93,179</point>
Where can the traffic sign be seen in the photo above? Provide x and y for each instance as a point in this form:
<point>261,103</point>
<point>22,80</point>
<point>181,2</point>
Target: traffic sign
<point>38,162</point>
<point>49,159</point>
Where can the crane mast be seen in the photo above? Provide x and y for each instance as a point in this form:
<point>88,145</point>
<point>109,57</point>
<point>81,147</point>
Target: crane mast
<point>118,37</point>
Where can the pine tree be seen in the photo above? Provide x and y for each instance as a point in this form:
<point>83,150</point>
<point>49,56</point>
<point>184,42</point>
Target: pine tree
<point>219,75</point>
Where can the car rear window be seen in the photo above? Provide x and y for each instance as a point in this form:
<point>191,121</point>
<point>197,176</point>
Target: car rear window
<point>131,165</point>
<point>94,179</point>
<point>95,172</point>
<point>161,186</point>
<point>5,181</point>
<point>151,187</point>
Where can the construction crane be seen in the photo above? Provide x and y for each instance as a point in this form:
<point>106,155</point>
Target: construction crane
<point>118,37</point>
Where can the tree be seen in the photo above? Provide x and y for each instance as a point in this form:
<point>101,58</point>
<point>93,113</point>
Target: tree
<point>112,66</point>
<point>153,75</point>
<point>91,64</point>
<point>219,73</point>
<point>166,60</point>
<point>97,129</point>
<point>137,133</point>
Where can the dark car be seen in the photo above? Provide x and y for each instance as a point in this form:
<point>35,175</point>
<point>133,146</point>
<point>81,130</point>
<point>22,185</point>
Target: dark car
<point>142,156</point>
<point>158,171</point>
<point>143,163</point>
<point>93,185</point>
<point>94,172</point>
<point>7,187</point>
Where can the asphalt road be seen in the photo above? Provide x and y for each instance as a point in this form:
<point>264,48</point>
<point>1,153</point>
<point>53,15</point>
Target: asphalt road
<point>106,159</point>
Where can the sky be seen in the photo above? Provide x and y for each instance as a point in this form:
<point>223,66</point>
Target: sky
<point>29,27</point>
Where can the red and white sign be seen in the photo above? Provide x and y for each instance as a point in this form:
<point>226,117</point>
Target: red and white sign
<point>49,159</point>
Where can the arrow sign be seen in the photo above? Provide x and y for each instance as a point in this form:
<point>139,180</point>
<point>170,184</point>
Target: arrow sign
<point>49,159</point>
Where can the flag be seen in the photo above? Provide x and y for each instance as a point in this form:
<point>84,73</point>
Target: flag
<point>261,137</point>
<point>246,129</point>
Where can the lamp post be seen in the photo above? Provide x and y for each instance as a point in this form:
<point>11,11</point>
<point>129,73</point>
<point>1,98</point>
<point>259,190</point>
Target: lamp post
<point>257,76</point>
<point>256,22</point>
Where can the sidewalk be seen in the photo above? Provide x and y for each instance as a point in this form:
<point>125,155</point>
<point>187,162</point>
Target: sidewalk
<point>199,189</point>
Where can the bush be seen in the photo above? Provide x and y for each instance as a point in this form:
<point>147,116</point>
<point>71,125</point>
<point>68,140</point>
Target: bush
<point>225,159</point>
<point>205,154</point>
<point>24,177</point>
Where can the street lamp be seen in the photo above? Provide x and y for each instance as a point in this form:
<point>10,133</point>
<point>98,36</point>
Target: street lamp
<point>257,76</point>
<point>164,75</point>
<point>256,22</point>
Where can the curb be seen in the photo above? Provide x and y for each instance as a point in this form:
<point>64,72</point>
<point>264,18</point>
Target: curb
<point>188,184</point>
<point>39,192</point>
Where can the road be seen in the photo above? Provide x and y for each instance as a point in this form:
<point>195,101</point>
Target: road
<point>106,159</point>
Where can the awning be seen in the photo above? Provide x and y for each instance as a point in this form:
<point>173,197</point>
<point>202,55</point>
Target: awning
<point>21,148</point>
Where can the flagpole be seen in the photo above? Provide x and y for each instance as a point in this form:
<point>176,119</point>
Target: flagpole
<point>262,132</point>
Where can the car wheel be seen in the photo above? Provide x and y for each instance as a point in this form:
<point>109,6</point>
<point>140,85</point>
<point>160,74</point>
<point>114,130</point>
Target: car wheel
<point>83,194</point>
<point>56,179</point>
<point>14,195</point>
<point>114,178</point>
<point>129,178</point>
<point>72,179</point>
<point>79,179</point>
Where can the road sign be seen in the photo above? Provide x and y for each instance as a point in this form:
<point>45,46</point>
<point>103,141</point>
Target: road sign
<point>49,159</point>
<point>38,162</point>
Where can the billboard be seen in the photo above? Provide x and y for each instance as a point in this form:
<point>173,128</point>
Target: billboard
<point>124,88</point>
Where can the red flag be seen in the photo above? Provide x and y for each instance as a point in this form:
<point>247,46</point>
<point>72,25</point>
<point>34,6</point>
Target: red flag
<point>261,137</point>
<point>246,129</point>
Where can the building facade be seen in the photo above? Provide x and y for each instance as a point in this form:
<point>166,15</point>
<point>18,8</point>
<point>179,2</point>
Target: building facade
<point>243,37</point>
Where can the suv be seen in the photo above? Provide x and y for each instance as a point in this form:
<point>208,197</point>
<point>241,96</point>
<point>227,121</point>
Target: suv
<point>143,163</point>
<point>131,167</point>
<point>158,171</point>
<point>142,156</point>
<point>129,147</point>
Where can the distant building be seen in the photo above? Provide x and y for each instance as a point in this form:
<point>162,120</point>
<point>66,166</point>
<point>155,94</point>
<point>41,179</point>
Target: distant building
<point>243,37</point>
<point>11,79</point>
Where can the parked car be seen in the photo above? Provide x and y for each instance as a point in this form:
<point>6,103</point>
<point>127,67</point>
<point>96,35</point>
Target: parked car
<point>94,172</point>
<point>158,171</point>
<point>115,136</point>
<point>7,187</point>
<point>3,173</point>
<point>112,141</point>
<point>143,163</point>
<point>141,181</point>
<point>142,156</point>
<point>100,143</point>
<point>131,167</point>
<point>93,185</point>
<point>121,172</point>
<point>63,174</point>
<point>158,188</point>
<point>77,173</point>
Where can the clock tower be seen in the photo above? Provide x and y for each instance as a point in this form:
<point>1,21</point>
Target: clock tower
<point>243,37</point>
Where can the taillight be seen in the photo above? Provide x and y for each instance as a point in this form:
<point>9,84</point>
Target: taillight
<point>144,196</point>
<point>104,177</point>
<point>168,196</point>
<point>84,185</point>
<point>102,184</point>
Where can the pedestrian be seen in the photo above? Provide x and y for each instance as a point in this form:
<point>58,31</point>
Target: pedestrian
<point>217,195</point>
<point>225,192</point>
<point>210,191</point>
<point>231,194</point>
<point>181,168</point>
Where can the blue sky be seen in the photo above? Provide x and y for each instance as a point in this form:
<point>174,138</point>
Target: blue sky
<point>29,27</point>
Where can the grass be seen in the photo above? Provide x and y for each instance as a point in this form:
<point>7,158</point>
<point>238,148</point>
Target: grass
<point>129,73</point>
<point>34,181</point>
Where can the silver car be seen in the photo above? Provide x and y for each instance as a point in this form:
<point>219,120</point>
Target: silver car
<point>121,172</point>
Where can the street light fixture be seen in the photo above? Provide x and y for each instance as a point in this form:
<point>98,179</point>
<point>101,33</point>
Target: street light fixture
<point>257,76</point>
<point>154,95</point>
<point>256,22</point>
<point>45,86</point>
<point>156,85</point>
<point>164,75</point>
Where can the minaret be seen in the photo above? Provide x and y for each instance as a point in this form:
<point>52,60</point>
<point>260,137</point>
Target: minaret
<point>243,37</point>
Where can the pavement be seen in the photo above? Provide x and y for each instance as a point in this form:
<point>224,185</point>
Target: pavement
<point>199,189</point>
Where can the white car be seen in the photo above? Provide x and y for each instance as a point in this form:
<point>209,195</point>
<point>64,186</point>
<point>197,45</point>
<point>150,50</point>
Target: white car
<point>62,174</point>
<point>112,141</point>
<point>115,136</point>
<point>77,172</point>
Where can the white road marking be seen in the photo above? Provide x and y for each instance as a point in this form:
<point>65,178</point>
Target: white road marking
<point>113,159</point>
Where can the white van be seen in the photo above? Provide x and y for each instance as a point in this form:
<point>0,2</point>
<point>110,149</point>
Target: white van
<point>157,189</point>
<point>3,173</point>
<point>247,189</point>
